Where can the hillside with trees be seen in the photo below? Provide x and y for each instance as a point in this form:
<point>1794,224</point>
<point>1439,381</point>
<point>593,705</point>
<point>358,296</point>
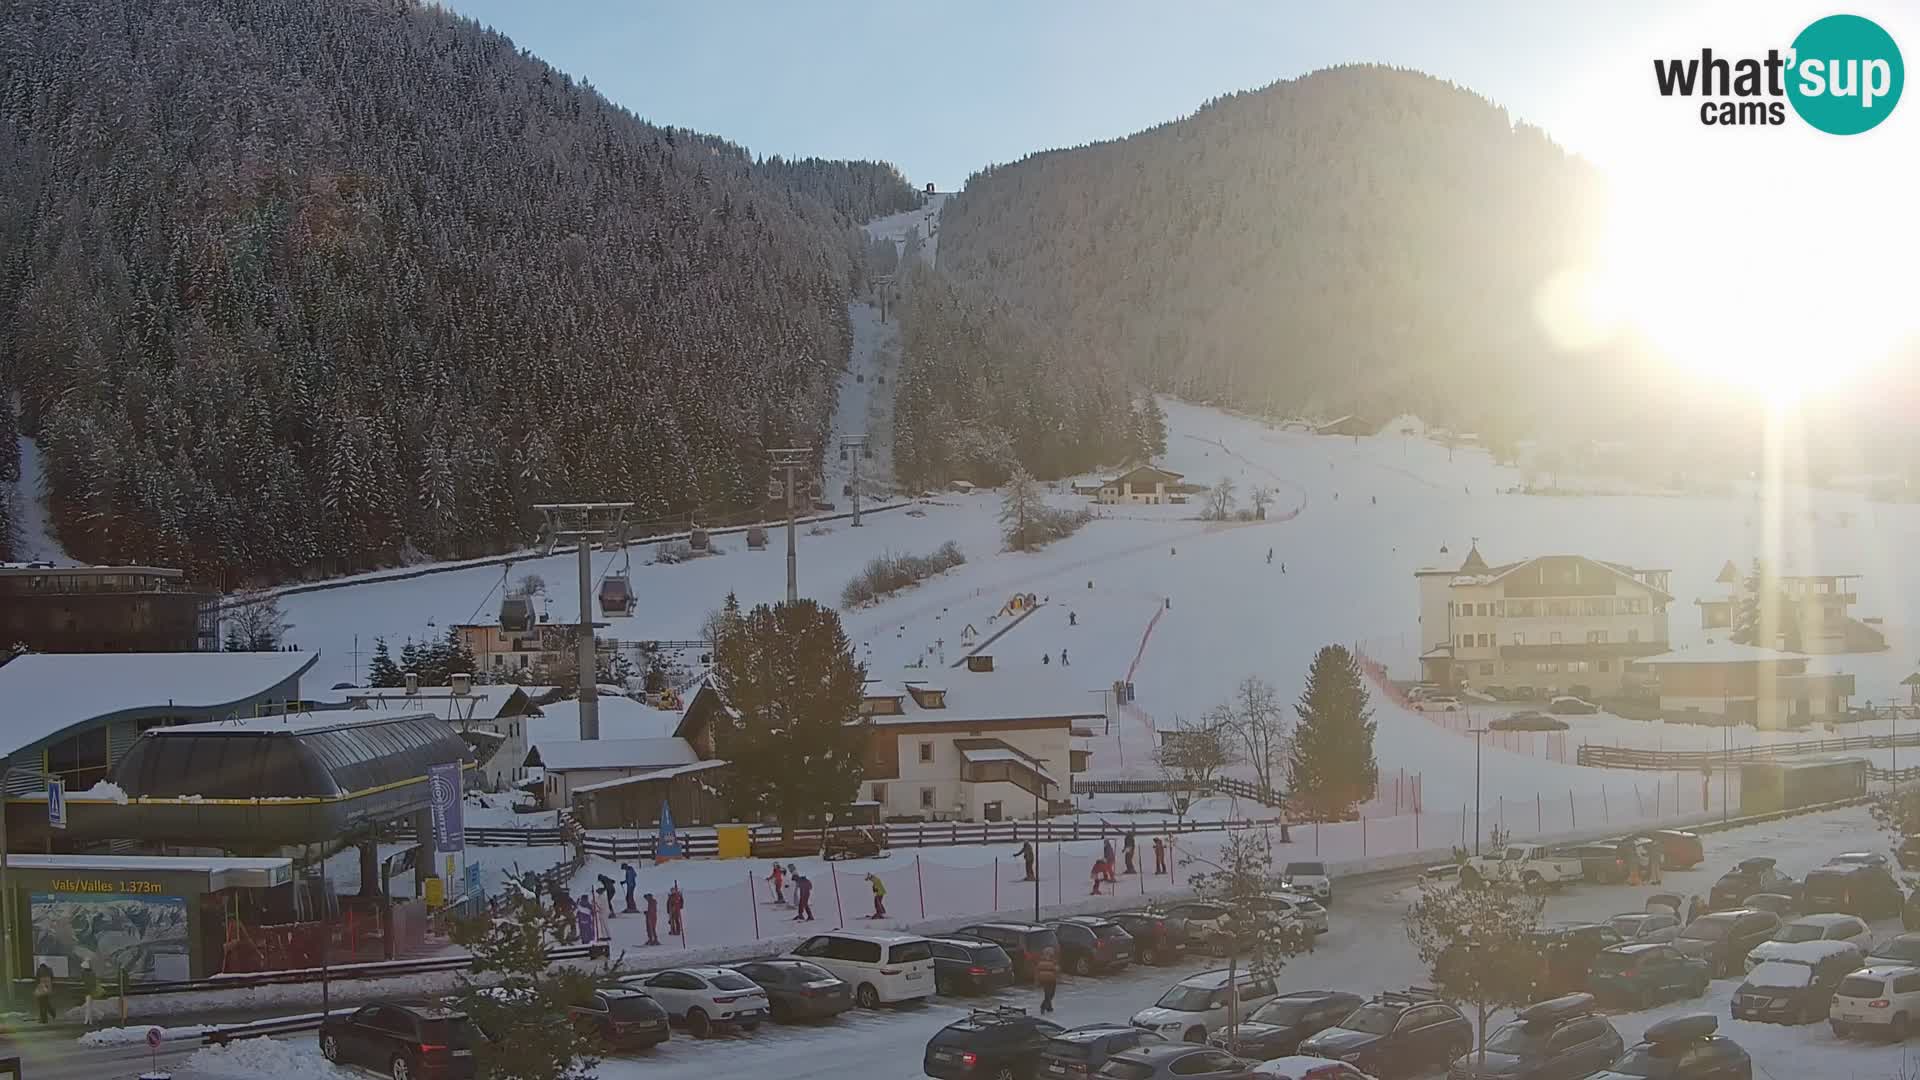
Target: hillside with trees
<point>291,288</point>
<point>1362,239</point>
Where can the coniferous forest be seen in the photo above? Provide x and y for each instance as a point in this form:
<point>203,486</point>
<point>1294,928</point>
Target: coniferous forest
<point>292,287</point>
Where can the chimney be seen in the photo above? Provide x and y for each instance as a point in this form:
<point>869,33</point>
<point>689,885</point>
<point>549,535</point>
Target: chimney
<point>462,683</point>
<point>413,683</point>
<point>980,662</point>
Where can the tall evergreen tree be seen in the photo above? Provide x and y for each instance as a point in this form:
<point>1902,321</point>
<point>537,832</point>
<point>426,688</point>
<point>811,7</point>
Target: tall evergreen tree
<point>1020,508</point>
<point>797,744</point>
<point>1332,768</point>
<point>381,670</point>
<point>1153,428</point>
<point>456,657</point>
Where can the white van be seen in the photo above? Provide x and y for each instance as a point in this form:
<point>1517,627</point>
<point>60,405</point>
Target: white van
<point>882,968</point>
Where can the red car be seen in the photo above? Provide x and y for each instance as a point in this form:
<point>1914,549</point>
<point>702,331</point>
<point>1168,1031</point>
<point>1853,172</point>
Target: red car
<point>1679,850</point>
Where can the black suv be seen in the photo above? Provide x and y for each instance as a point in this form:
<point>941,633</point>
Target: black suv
<point>1724,938</point>
<point>621,1018</point>
<point>1555,1038</point>
<point>1396,1034</point>
<point>969,965</point>
<point>989,1042</point>
<point>1749,876</point>
<point>1079,1052</point>
<point>1089,944</point>
<point>1683,1048</point>
<point>1861,889</point>
<point>1158,938</point>
<point>1023,942</point>
<point>1277,1028</point>
<point>401,1040</point>
<point>1567,951</point>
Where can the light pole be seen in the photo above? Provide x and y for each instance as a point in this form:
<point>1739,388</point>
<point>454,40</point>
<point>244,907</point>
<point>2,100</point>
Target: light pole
<point>1476,732</point>
<point>1726,765</point>
<point>1037,789</point>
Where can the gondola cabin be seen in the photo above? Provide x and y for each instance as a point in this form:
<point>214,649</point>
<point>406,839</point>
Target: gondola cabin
<point>616,596</point>
<point>516,614</point>
<point>698,540</point>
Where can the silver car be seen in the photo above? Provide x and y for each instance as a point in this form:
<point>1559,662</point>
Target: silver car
<point>1176,1061</point>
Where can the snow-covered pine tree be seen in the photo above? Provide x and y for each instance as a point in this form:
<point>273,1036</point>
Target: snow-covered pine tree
<point>1332,767</point>
<point>1154,428</point>
<point>1020,505</point>
<point>381,670</point>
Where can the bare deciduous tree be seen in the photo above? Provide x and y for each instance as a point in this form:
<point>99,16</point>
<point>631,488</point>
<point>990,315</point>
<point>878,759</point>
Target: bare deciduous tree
<point>1189,756</point>
<point>1261,497</point>
<point>1220,499</point>
<point>1255,717</point>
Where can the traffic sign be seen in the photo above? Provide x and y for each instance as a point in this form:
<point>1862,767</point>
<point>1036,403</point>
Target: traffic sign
<point>154,1037</point>
<point>57,804</point>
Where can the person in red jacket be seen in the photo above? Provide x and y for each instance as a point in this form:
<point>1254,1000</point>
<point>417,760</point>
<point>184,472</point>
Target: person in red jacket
<point>675,903</point>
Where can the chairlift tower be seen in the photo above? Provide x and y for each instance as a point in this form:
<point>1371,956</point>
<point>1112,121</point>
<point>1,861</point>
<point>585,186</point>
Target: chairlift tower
<point>852,449</point>
<point>584,523</point>
<point>791,461</point>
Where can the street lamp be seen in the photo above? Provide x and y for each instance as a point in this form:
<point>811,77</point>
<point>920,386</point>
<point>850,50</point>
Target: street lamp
<point>1476,732</point>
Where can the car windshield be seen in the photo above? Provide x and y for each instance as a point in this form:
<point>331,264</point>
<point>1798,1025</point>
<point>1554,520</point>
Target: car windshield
<point>1902,948</point>
<point>1655,1060</point>
<point>1068,1049</point>
<point>815,973</point>
<point>1517,1038</point>
<point>1795,932</point>
<point>727,980</point>
<point>1186,999</point>
<point>1372,1019</point>
<point>1613,963</point>
<point>457,1034</point>
<point>1626,925</point>
<point>1859,986</point>
<point>1780,975</point>
<point>630,1007</point>
<point>1121,1069</point>
<point>1706,930</point>
<point>1307,869</point>
<point>1280,1013</point>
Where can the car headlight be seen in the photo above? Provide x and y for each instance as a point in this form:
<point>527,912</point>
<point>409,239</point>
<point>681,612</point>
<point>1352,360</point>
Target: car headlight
<point>1171,1025</point>
<point>1351,1058</point>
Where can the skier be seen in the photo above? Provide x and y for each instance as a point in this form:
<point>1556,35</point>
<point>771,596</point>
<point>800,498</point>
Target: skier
<point>603,913</point>
<point>879,897</point>
<point>633,879</point>
<point>802,898</point>
<point>1283,568</point>
<point>1028,856</point>
<point>1072,619</point>
<point>778,878</point>
<point>1046,658</point>
<point>558,891</point>
<point>676,903</point>
<point>583,918</point>
<point>1063,658</point>
<point>1159,856</point>
<point>1173,551</point>
<point>1106,850</point>
<point>1269,556</point>
<point>1375,498</point>
<point>1126,849</point>
<point>607,888</point>
<point>1046,975</point>
<point>1169,603</point>
<point>1099,873</point>
<point>653,920</point>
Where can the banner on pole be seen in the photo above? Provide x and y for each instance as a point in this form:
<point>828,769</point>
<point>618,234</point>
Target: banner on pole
<point>443,803</point>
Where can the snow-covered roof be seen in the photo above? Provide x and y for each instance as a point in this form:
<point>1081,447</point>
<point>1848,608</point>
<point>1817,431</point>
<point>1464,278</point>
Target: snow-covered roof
<point>478,703</point>
<point>985,696</point>
<point>562,755</point>
<point>1006,753</point>
<point>651,775</point>
<point>314,721</point>
<point>47,693</point>
<point>620,718</point>
<point>1722,652</point>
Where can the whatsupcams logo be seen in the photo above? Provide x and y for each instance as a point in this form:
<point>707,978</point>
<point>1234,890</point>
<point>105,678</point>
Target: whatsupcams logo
<point>1842,74</point>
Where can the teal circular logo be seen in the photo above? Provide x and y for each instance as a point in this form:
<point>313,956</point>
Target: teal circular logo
<point>1846,74</point>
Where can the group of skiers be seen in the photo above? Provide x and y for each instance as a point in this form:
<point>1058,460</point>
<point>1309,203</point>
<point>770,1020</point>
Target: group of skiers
<point>1103,867</point>
<point>593,912</point>
<point>780,877</point>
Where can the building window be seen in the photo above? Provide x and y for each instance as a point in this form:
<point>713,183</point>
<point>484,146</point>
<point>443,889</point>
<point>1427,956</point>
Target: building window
<point>1486,641</point>
<point>1599,606</point>
<point>1519,638</point>
<point>926,798</point>
<point>1486,609</point>
<point>880,793</point>
<point>1486,669</point>
<point>1466,641</point>
<point>1596,637</point>
<point>1633,635</point>
<point>1605,665</point>
<point>1523,609</point>
<point>926,751</point>
<point>1553,638</point>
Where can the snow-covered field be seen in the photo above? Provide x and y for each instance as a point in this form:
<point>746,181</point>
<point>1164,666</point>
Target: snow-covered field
<point>1365,951</point>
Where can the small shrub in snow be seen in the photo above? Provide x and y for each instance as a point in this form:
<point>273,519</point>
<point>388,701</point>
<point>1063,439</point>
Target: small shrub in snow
<point>673,551</point>
<point>819,530</point>
<point>889,573</point>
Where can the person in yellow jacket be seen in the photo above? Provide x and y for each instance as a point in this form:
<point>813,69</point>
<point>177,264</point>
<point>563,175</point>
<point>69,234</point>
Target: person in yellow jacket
<point>1046,975</point>
<point>879,897</point>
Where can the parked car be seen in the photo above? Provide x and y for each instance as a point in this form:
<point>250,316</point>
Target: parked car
<point>1158,938</point>
<point>401,1041</point>
<point>1878,1000</point>
<point>1643,973</point>
<point>1023,943</point>
<point>1603,863</point>
<point>883,968</point>
<point>1824,927</point>
<point>1396,1034</point>
<point>1078,1053</point>
<point>1196,1006</point>
<point>1683,1048</point>
<point>1302,1067</point>
<point>1175,1061</point>
<point>1641,927</point>
<point>1567,705</point>
<point>1859,858</point>
<point>1908,853</point>
<point>1910,912</point>
<point>1898,949</point>
<point>1536,865</point>
<point>1204,923</point>
<point>1090,944</point>
<point>1568,950</point>
<point>1308,879</point>
<point>1003,1043</point>
<point>969,965</point>
<point>1292,909</point>
<point>1723,938</point>
<point>799,990</point>
<point>1779,903</point>
<point>1748,876</point>
<point>1857,888</point>
<point>1796,987</point>
<point>1438,703</point>
<point>1526,720</point>
<point>1445,872</point>
<point>1679,849</point>
<point>622,1018</point>
<point>1277,1028</point>
<point>705,999</point>
<point>1560,1037</point>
